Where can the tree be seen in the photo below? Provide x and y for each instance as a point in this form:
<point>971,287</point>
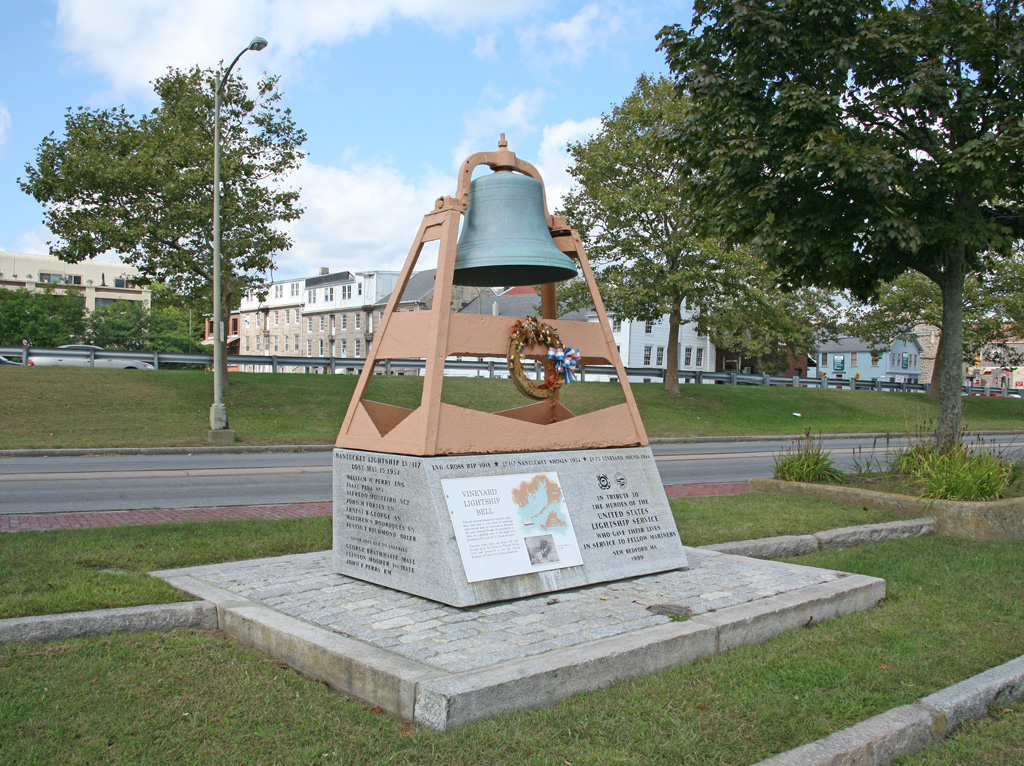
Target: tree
<point>631,207</point>
<point>47,319</point>
<point>130,326</point>
<point>993,314</point>
<point>851,142</point>
<point>143,186</point>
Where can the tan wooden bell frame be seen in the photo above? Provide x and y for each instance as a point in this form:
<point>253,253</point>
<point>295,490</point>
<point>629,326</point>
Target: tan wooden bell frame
<point>437,428</point>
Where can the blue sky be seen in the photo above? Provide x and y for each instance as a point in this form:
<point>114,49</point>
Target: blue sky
<point>393,94</point>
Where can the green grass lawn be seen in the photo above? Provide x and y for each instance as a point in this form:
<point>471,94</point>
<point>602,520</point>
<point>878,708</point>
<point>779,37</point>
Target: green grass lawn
<point>70,407</point>
<point>953,609</point>
<point>76,570</point>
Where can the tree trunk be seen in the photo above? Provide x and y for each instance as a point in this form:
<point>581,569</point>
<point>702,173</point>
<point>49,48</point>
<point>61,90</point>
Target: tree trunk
<point>933,388</point>
<point>672,352</point>
<point>950,362</point>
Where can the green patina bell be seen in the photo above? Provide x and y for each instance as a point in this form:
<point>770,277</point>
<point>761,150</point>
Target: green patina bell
<point>505,238</point>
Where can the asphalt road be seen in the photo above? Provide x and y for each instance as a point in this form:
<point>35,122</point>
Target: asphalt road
<point>117,482</point>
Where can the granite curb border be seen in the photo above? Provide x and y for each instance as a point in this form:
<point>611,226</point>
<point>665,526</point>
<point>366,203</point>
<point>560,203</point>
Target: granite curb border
<point>831,539</point>
<point>973,520</point>
<point>910,728</point>
<point>134,619</point>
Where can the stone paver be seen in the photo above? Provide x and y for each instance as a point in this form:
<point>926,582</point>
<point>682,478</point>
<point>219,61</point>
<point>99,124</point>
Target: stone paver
<point>294,585</point>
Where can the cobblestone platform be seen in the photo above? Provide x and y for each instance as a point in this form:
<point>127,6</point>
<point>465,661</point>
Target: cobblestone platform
<point>443,666</point>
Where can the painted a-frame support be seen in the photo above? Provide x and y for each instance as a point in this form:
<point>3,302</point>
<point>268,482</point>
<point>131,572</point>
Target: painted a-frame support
<point>436,428</point>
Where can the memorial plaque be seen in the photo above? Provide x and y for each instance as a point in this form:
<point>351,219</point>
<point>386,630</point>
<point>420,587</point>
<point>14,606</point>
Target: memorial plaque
<point>471,529</point>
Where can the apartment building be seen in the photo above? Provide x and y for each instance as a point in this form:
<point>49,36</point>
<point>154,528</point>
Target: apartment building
<point>97,283</point>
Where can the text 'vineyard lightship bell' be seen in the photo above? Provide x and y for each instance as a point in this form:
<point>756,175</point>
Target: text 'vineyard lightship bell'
<point>505,238</point>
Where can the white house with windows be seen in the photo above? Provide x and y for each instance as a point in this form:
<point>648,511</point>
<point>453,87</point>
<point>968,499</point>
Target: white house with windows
<point>645,344</point>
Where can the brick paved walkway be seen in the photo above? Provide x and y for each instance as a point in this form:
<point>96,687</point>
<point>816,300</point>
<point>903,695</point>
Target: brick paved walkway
<point>41,522</point>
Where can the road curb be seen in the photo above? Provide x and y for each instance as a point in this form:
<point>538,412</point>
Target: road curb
<point>227,449</point>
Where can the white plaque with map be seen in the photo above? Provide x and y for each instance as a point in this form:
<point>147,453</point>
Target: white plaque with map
<point>511,525</point>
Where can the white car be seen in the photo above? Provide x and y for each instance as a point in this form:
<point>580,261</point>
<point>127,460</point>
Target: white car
<point>79,355</point>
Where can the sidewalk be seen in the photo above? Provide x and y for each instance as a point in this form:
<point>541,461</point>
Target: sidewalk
<point>41,522</point>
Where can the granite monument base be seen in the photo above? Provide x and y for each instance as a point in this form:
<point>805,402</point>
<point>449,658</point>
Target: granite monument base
<point>471,529</point>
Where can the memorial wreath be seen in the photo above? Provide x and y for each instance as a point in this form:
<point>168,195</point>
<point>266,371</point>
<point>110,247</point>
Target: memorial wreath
<point>562,361</point>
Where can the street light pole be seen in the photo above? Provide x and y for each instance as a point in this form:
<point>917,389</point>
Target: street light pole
<point>219,431</point>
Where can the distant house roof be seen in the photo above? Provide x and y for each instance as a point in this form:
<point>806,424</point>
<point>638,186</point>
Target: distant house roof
<point>514,304</point>
<point>336,278</point>
<point>851,344</point>
<point>421,285</point>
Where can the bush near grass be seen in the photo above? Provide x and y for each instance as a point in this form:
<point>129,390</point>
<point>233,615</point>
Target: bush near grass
<point>808,461</point>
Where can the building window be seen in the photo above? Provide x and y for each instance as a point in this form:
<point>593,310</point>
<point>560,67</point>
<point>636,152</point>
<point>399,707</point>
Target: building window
<point>309,348</point>
<point>700,358</point>
<point>121,282</point>
<point>334,319</point>
<point>359,289</point>
<point>286,343</point>
<point>276,341</point>
<point>257,342</point>
<point>358,316</point>
<point>344,321</point>
<point>824,359</point>
<point>321,347</point>
<point>648,328</point>
<point>346,292</point>
<point>246,342</point>
<point>294,289</point>
<point>647,355</point>
<point>296,344</point>
<point>311,296</point>
<point>659,358</point>
<point>328,294</point>
<point>687,356</point>
<point>276,318</point>
<point>355,347</point>
<point>892,359</point>
<point>64,279</point>
<point>853,358</point>
<point>309,324</point>
<point>616,325</point>
<point>321,323</point>
<point>344,348</point>
<point>246,321</point>
<point>278,291</point>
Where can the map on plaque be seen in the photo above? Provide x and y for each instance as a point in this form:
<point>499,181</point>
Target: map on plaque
<point>511,525</point>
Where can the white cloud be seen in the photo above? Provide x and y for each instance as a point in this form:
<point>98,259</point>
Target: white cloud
<point>486,46</point>
<point>363,217</point>
<point>554,160</point>
<point>515,118</point>
<point>5,125</point>
<point>34,241</point>
<point>571,41</point>
<point>131,42</point>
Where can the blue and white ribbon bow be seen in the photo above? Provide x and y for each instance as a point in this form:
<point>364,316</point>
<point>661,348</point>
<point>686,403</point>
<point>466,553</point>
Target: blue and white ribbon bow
<point>565,360</point>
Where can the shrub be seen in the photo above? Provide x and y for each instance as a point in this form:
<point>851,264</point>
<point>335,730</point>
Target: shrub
<point>808,461</point>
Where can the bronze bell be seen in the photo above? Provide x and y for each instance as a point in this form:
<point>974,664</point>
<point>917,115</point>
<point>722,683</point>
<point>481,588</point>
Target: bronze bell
<point>505,239</point>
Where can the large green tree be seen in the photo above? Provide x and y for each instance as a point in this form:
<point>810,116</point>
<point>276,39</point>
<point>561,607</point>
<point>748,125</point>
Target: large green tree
<point>851,142</point>
<point>142,187</point>
<point>630,204</point>
<point>131,326</point>
<point>47,319</point>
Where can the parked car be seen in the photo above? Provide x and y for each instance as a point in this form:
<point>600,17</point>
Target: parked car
<point>79,357</point>
<point>5,360</point>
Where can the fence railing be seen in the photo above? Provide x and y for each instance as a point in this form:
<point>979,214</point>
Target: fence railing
<point>487,368</point>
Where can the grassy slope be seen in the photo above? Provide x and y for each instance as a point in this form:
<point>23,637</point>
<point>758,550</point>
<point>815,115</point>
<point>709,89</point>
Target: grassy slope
<point>69,407</point>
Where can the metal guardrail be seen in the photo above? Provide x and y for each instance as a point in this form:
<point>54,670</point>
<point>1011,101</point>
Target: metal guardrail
<point>493,368</point>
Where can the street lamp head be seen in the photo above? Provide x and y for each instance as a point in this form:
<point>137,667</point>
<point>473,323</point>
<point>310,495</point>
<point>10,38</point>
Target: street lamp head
<point>257,44</point>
